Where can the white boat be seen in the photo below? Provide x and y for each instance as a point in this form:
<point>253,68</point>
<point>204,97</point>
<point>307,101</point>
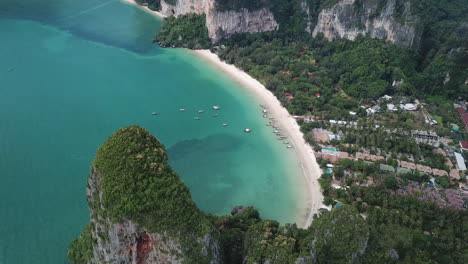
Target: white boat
<point>196,118</point>
<point>182,109</point>
<point>225,125</point>
<point>276,131</point>
<point>265,111</point>
<point>265,116</point>
<point>289,146</point>
<point>200,111</point>
<point>247,130</point>
<point>215,115</point>
<point>285,142</point>
<point>215,107</point>
<point>154,113</point>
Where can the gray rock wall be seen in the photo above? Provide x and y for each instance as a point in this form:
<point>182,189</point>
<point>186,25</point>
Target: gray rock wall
<point>343,20</point>
<point>223,24</point>
<point>126,242</point>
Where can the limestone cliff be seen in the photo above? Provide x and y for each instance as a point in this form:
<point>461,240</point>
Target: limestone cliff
<point>222,24</point>
<point>141,212</point>
<point>376,19</point>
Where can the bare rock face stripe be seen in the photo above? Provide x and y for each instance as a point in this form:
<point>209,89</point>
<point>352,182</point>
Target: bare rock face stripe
<point>339,21</point>
<point>343,21</point>
<point>223,24</point>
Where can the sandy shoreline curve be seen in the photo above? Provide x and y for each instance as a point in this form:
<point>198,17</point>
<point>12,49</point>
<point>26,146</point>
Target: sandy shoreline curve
<point>145,8</point>
<point>289,126</point>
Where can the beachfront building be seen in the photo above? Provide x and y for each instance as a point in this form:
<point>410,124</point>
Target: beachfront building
<point>331,154</point>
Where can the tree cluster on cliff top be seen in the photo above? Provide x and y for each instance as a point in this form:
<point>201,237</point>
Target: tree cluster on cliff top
<point>187,31</point>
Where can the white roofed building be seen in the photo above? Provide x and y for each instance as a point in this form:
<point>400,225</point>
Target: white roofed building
<point>460,161</point>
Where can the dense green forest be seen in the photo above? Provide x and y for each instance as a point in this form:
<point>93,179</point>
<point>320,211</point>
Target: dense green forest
<point>379,229</point>
<point>344,72</point>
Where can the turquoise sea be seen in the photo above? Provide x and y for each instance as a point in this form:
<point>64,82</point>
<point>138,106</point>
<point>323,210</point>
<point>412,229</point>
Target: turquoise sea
<point>73,72</point>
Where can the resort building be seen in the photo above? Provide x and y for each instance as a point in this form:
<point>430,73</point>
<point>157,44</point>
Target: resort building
<point>424,169</point>
<point>454,174</point>
<point>425,136</point>
<point>464,145</point>
<point>387,168</point>
<point>439,173</point>
<point>460,161</point>
<point>323,135</point>
<point>391,108</point>
<point>464,116</point>
<point>332,155</point>
<point>369,157</point>
<point>409,107</point>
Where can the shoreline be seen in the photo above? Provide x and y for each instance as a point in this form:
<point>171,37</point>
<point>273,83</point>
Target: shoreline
<point>309,166</point>
<point>305,155</point>
<point>145,8</point>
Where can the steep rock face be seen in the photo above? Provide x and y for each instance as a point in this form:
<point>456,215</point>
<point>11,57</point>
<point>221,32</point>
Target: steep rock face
<point>141,212</point>
<point>183,7</point>
<point>223,24</point>
<point>348,20</point>
<point>125,241</point>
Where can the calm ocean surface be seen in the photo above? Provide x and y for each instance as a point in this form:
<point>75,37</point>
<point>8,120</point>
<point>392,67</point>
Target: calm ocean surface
<point>73,72</point>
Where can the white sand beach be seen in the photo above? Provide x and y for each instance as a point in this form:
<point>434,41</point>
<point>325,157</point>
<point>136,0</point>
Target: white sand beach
<point>289,126</point>
<point>133,3</point>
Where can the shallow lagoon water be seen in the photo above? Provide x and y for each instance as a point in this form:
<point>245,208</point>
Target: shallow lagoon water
<point>73,72</point>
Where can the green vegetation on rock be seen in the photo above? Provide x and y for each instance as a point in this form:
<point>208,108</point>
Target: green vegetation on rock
<point>138,184</point>
<point>186,31</point>
<point>81,249</point>
<point>341,235</point>
<point>152,4</point>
